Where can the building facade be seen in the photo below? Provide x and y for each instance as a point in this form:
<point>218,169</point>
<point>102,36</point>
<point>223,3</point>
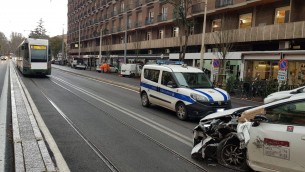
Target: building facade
<point>264,31</point>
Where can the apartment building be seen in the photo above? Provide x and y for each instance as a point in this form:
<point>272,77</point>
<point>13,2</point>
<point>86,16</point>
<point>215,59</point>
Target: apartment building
<point>264,32</point>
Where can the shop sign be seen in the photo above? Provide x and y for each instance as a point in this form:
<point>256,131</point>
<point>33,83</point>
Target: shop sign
<point>282,75</point>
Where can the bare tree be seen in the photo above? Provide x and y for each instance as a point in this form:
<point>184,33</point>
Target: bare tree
<point>16,39</point>
<point>4,48</point>
<point>184,20</point>
<point>137,43</point>
<point>224,42</point>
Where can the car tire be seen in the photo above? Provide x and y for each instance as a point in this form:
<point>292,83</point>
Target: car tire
<point>181,111</point>
<point>231,156</point>
<point>145,100</point>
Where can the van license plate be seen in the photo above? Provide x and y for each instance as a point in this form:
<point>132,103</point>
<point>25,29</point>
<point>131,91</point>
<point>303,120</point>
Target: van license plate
<point>220,110</point>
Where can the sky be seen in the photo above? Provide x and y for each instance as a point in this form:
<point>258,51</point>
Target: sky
<point>22,16</point>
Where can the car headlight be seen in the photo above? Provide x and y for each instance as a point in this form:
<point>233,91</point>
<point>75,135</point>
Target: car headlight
<point>199,98</point>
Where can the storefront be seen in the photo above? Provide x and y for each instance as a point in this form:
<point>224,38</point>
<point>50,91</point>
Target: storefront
<point>264,66</point>
<point>233,63</point>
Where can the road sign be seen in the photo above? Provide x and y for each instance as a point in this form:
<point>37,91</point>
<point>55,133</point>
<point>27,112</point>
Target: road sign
<point>282,75</point>
<point>283,64</point>
<point>216,63</point>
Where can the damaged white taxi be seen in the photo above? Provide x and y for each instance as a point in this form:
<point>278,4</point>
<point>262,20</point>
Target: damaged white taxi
<point>270,137</point>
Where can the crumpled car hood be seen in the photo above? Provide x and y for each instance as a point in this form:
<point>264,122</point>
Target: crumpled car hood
<point>224,113</point>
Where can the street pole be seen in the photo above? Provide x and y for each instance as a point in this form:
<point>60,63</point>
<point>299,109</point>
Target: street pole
<point>62,48</point>
<point>100,52</point>
<point>78,39</point>
<point>202,51</point>
<point>125,39</point>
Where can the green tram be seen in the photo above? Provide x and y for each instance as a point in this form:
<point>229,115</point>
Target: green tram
<point>34,57</point>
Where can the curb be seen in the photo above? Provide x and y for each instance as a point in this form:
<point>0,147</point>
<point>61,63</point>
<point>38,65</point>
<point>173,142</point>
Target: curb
<point>31,153</point>
<point>3,121</point>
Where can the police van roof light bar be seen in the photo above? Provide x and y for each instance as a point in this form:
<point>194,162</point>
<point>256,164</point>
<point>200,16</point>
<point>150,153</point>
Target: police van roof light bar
<point>167,62</point>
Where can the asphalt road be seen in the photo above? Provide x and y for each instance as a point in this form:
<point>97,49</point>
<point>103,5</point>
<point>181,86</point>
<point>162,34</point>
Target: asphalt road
<point>3,66</point>
<point>102,127</point>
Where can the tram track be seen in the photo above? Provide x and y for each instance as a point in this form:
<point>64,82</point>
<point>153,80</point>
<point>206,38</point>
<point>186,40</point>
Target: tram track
<point>65,85</point>
<point>119,85</point>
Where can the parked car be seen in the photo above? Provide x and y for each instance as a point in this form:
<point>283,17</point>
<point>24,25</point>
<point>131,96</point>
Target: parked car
<point>131,70</point>
<point>269,137</point>
<point>283,94</point>
<point>3,57</point>
<point>183,89</point>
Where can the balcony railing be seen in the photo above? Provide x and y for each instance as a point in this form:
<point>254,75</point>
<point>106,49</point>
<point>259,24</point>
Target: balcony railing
<point>285,31</point>
<point>149,1</point>
<point>162,18</point>
<point>149,21</point>
<point>223,3</point>
<point>138,24</point>
<point>138,3</point>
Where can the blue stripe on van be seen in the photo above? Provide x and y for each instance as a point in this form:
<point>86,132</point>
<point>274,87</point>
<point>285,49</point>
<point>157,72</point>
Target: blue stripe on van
<point>207,95</point>
<point>223,94</point>
<point>169,93</point>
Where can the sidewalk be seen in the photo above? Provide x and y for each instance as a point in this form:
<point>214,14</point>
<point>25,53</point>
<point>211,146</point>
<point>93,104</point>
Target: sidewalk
<point>31,152</point>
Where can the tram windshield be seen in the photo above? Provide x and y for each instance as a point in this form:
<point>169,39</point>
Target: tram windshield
<point>39,53</point>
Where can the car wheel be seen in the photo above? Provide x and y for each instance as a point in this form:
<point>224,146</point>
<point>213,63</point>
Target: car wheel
<point>231,156</point>
<point>181,111</point>
<point>144,99</point>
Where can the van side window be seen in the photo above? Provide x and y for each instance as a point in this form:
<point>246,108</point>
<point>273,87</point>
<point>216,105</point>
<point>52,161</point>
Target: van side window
<point>151,74</point>
<point>166,78</point>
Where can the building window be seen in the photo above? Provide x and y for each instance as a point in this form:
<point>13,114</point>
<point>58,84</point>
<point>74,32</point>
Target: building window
<point>148,36</point>
<point>164,13</point>
<point>161,34</point>
<point>216,25</point>
<point>245,20</point>
<point>175,32</point>
<point>122,7</point>
<point>282,15</point>
<point>223,3</point>
<point>192,30</point>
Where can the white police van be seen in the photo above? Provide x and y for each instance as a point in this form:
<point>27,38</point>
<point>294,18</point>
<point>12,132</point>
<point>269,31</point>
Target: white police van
<point>183,89</point>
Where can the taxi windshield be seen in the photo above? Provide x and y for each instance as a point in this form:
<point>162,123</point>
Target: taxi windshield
<point>193,80</point>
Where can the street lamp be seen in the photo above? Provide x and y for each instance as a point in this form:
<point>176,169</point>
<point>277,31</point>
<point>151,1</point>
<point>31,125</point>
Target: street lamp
<point>79,39</point>
<point>63,46</point>
<point>125,39</point>
<point>100,52</point>
<point>202,51</point>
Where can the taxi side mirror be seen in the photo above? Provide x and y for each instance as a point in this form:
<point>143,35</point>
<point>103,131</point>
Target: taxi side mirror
<point>258,119</point>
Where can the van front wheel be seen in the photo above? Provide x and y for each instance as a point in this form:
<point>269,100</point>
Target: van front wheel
<point>181,111</point>
<point>145,100</point>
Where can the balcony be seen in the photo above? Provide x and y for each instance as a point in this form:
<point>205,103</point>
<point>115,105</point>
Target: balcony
<point>149,1</point>
<point>198,8</point>
<point>114,13</point>
<point>162,18</point>
<point>286,31</point>
<point>149,21</point>
<point>138,24</point>
<point>223,3</point>
<point>138,3</point>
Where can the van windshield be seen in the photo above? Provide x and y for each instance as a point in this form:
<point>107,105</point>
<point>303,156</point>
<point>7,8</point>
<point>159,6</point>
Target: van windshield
<point>193,80</point>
